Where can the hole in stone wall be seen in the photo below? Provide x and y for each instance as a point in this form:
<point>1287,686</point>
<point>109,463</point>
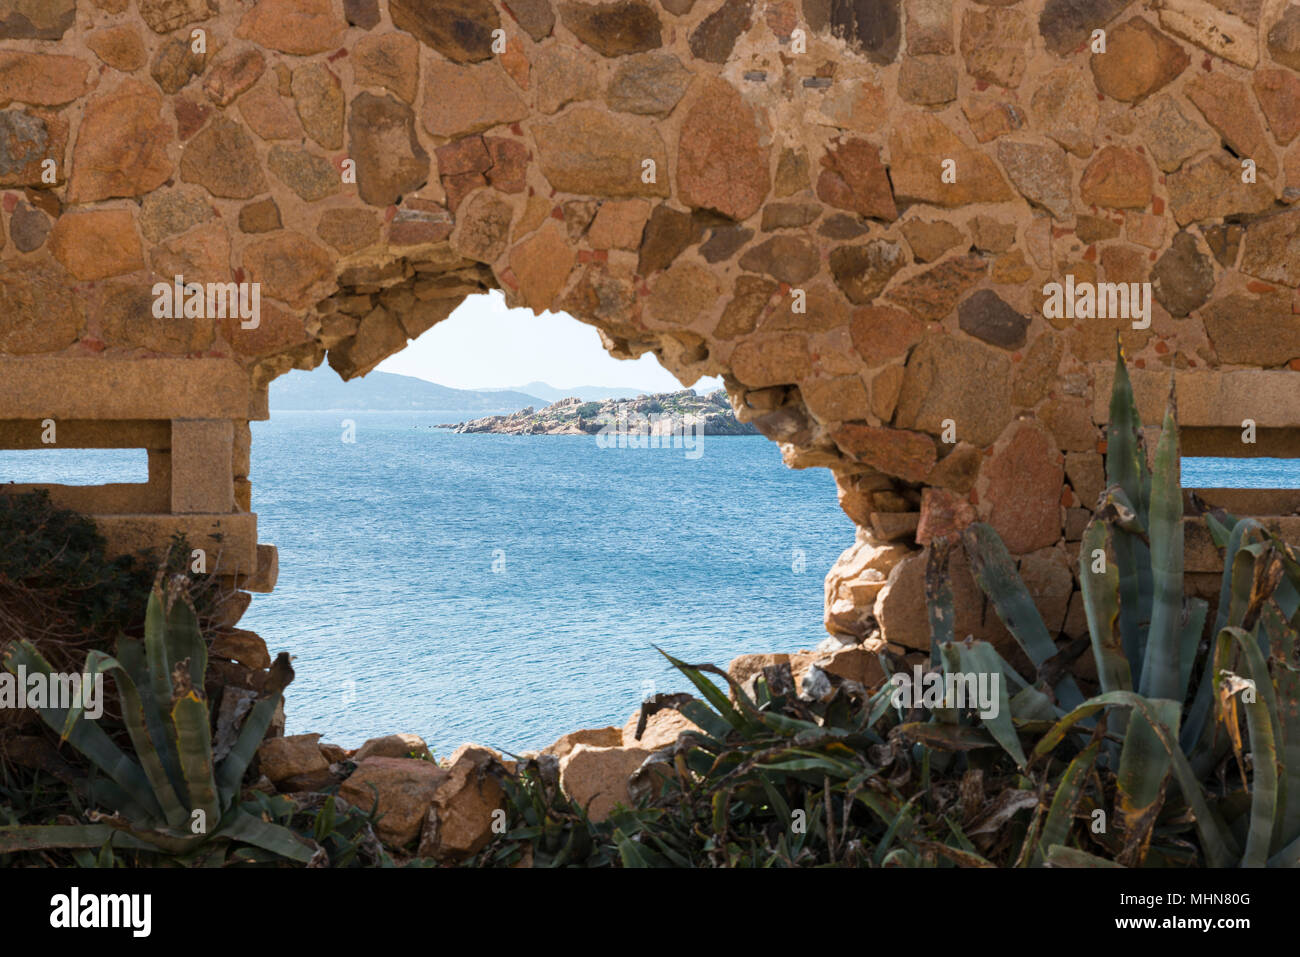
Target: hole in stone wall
<point>76,467</point>
<point>507,589</point>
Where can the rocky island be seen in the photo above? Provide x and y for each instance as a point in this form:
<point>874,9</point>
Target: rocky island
<point>663,413</point>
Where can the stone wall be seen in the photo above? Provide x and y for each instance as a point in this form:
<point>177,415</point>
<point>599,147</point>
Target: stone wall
<point>849,209</point>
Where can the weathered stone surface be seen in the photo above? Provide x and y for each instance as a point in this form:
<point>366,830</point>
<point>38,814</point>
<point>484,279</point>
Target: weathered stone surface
<point>906,455</point>
<point>390,61</point>
<point>289,266</point>
<point>616,28</point>
<point>405,789</point>
<point>853,178</point>
<point>930,240</point>
<point>596,778</point>
<point>542,263</point>
<point>40,79</point>
<point>862,272</point>
<point>870,27</point>
<point>222,159</point>
<point>587,151</point>
<point>1041,171</point>
<point>1212,27</point>
<point>164,16</point>
<point>785,258</point>
<point>927,81</point>
<point>722,163</point>
<point>27,141</point>
<point>667,234</point>
<point>647,83</point>
<point>919,145</point>
<point>1139,60</point>
<point>97,244</point>
<point>985,315</point>
<point>995,44</point>
<point>1253,331</point>
<point>535,16</point>
<point>1284,37</point>
<point>390,160</point>
<point>260,217</point>
<point>1272,248</point>
<point>1065,24</point>
<point>1183,278</point>
<point>1117,178</point>
<point>1278,92</point>
<point>768,359</point>
<point>932,294</point>
<point>881,333</point>
<point>962,381</point>
<point>562,75</point>
<point>300,27</point>
<point>1020,489</point>
<point>362,13</point>
<point>28,228</point>
<point>1211,188</point>
<point>461,100</point>
<point>294,763</point>
<point>943,513</point>
<point>312,177</point>
<point>1171,136</point>
<point>753,296</point>
<point>717,33</point>
<point>167,212</point>
<point>900,607</point>
<point>176,63</point>
<point>618,224</point>
<point>268,114</point>
<point>929,28</point>
<point>1221,99</point>
<point>682,294</point>
<point>119,47</point>
<point>318,96</point>
<point>464,806</point>
<point>661,730</point>
<point>234,75</point>
<point>36,19</point>
<point>840,399</point>
<point>1064,106</point>
<point>348,230</point>
<point>392,746</point>
<point>38,310</point>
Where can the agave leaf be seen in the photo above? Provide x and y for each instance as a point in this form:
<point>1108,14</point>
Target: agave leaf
<point>1286,684</point>
<point>1057,827</point>
<point>194,745</point>
<point>1061,856</point>
<point>1190,627</point>
<point>133,713</point>
<point>1262,725</point>
<point>92,741</point>
<point>1144,766</point>
<point>230,773</point>
<point>157,722</point>
<point>1102,605</point>
<point>1220,848</point>
<point>49,837</point>
<point>248,829</point>
<point>997,577</point>
<point>947,737</point>
<point>978,658</point>
<point>1160,667</point>
<point>721,703</point>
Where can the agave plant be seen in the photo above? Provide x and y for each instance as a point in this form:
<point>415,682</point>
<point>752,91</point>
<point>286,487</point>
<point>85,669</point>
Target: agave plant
<point>172,799</point>
<point>1146,638</point>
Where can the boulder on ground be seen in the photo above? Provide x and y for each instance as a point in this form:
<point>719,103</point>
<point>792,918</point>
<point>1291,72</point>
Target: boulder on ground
<point>467,804</point>
<point>596,778</point>
<point>393,746</point>
<point>404,788</point>
<point>294,763</point>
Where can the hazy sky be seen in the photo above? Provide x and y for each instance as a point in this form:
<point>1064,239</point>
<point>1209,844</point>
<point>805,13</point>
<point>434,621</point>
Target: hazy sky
<point>484,345</point>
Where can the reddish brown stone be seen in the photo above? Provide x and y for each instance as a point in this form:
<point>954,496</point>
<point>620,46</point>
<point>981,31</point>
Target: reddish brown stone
<point>98,244</point>
<point>40,79</point>
<point>721,161</point>
<point>943,513</point>
<point>1278,92</point>
<point>1138,61</point>
<point>1224,102</point>
<point>933,294</point>
<point>906,455</point>
<point>289,266</point>
<point>853,178</point>
<point>121,146</point>
<point>300,27</point>
<point>1020,489</point>
<point>881,333</point>
<point>616,28</point>
<point>1117,178</point>
<point>390,160</point>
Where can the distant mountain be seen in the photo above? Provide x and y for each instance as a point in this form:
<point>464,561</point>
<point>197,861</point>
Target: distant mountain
<point>322,390</point>
<point>587,393</point>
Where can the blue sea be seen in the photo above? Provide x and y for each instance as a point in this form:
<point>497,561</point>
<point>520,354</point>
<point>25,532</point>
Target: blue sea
<point>508,589</point>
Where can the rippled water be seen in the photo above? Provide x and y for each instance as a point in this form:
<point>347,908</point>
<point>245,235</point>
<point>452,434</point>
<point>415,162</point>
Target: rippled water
<point>389,599</point>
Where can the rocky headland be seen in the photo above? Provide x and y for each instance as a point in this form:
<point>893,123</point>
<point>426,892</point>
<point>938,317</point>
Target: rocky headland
<point>661,414</point>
